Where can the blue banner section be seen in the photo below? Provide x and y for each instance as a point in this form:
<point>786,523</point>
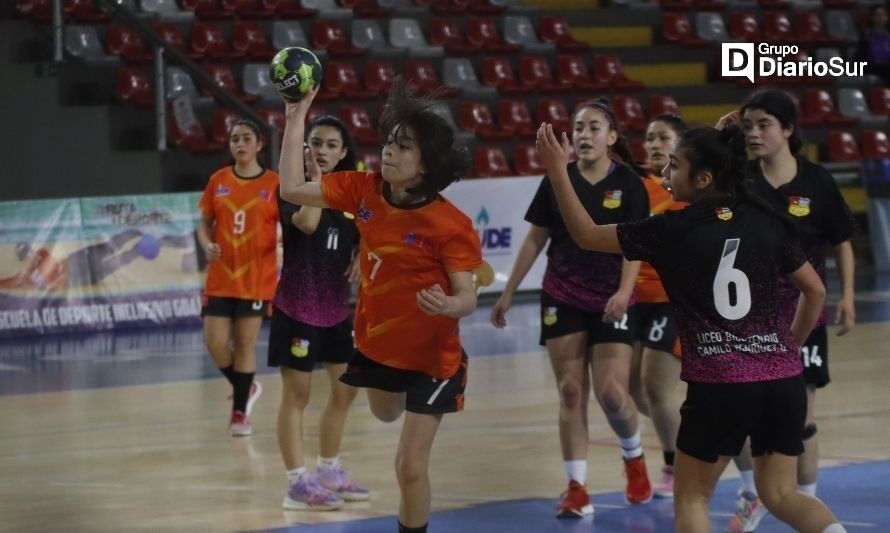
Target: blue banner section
<point>90,264</point>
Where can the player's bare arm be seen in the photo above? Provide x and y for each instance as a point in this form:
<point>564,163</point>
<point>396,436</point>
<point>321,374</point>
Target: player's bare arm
<point>462,302</point>
<point>294,187</point>
<point>812,300</point>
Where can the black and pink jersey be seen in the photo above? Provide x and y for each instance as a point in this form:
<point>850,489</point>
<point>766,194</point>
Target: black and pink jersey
<point>584,279</point>
<point>313,287</point>
<point>813,200</point>
<point>720,261</point>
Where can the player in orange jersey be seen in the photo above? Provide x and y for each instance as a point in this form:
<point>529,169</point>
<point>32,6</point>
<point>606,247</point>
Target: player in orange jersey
<point>656,368</point>
<point>418,252</point>
<point>239,231</point>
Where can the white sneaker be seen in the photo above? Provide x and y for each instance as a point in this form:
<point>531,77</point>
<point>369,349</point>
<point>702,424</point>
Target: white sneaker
<point>239,425</point>
<point>256,390</point>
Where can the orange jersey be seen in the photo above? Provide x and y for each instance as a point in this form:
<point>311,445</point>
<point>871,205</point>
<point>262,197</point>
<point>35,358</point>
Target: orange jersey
<point>41,271</point>
<point>649,288</point>
<point>245,212</point>
<point>404,250</point>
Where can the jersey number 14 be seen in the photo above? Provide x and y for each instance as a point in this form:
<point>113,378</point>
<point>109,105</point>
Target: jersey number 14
<point>732,292</point>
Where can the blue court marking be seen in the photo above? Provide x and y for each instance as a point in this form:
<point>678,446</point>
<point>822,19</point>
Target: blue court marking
<point>53,363</point>
<point>856,493</point>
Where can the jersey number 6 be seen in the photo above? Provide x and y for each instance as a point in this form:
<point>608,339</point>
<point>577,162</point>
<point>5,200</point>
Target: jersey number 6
<point>728,280</point>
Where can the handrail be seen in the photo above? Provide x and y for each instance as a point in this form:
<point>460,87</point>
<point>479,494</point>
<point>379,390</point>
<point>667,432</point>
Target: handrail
<point>124,14</point>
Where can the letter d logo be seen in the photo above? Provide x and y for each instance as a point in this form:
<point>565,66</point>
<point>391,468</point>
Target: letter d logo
<point>737,60</point>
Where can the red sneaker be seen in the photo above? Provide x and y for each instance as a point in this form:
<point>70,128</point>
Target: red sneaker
<point>639,490</point>
<point>575,502</point>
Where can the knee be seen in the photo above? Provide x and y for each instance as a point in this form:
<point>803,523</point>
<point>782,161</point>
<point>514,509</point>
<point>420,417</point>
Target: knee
<point>342,396</point>
<point>570,394</point>
<point>613,398</point>
<point>295,397</point>
<point>241,345</point>
<point>656,394</point>
<point>773,497</point>
<point>385,413</point>
<point>409,469</point>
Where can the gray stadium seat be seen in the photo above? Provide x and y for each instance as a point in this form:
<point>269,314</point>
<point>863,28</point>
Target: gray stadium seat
<point>520,31</point>
<point>167,10</point>
<point>328,9</point>
<point>288,33</point>
<point>406,33</point>
<point>459,72</point>
<point>179,83</point>
<point>852,103</point>
<point>840,25</point>
<point>462,137</point>
<point>257,82</point>
<point>83,42</point>
<point>710,26</point>
<point>367,33</point>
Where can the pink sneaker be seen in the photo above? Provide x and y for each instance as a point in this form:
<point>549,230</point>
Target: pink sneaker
<point>306,494</point>
<point>749,512</point>
<point>337,481</point>
<point>665,487</point>
<point>256,390</point>
<point>239,425</point>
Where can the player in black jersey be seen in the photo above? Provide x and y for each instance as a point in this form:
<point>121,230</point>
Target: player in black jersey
<point>720,261</point>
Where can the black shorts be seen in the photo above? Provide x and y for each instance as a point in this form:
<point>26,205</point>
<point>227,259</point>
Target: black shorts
<point>559,319</point>
<point>657,326</point>
<point>716,418</point>
<point>300,346</point>
<point>424,393</point>
<point>234,307</point>
<point>814,353</point>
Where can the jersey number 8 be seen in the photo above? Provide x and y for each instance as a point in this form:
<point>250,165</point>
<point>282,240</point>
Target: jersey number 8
<point>729,280</point>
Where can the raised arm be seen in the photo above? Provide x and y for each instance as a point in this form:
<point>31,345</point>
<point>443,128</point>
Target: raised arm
<point>307,218</point>
<point>294,187</point>
<point>586,233</point>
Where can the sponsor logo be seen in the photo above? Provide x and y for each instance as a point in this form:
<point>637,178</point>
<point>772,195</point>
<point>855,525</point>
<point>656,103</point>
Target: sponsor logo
<point>747,60</point>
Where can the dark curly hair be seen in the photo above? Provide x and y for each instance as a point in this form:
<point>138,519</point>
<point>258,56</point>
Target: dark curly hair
<point>445,162</point>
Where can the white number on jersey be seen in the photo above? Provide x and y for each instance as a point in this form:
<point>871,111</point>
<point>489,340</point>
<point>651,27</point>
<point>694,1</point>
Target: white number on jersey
<point>729,277</point>
<point>811,358</point>
<point>333,238</point>
<point>374,257</point>
<point>240,220</point>
<point>621,324</point>
<point>657,331</point>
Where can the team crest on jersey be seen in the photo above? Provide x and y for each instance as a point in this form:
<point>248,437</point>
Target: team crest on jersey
<point>612,199</point>
<point>799,206</point>
<point>299,347</point>
<point>264,194</point>
<point>364,214</point>
<point>723,213</point>
<point>222,190</point>
<point>549,316</point>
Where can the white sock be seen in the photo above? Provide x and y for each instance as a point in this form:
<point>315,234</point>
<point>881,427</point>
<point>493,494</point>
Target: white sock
<point>293,475</point>
<point>748,481</point>
<point>631,447</point>
<point>834,528</point>
<point>576,470</point>
<point>808,489</point>
<point>328,463</point>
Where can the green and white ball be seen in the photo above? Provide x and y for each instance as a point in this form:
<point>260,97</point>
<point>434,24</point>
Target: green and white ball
<point>294,71</point>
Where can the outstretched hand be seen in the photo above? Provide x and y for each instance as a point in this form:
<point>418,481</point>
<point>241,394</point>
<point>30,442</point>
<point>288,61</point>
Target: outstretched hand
<point>553,152</point>
<point>299,110</point>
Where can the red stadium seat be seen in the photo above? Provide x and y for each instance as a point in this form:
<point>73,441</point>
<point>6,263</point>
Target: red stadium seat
<point>660,104</point>
<point>481,31</point>
<point>777,28</point>
<point>359,124</point>
<point>340,77</point>
<point>133,85</point>
<point>525,158</point>
<point>329,35</point>
<point>534,71</point>
<point>274,118</point>
<point>371,161</point>
<point>675,28</point>
<point>485,7</point>
<point>122,41</point>
<point>290,9</point>
<point>367,9</point>
<point>638,151</point>
<point>490,162</point>
<point>221,125</point>
<point>85,11</point>
<point>379,75</point>
<point>251,9</point>
<point>709,5</point>
<point>629,114</point>
<point>448,7</point>
<point>207,39</point>
<point>875,144</point>
<point>497,72</point>
<point>207,9</point>
<point>249,39</point>
<point>573,71</point>
<point>879,100</point>
<point>768,5</point>
<point>445,32</point>
<point>555,112</point>
<point>819,110</point>
<point>554,29</point>
<point>607,69</point>
<point>172,34</point>
<point>810,29</point>
<point>744,26</point>
<point>676,5</point>
<point>423,76</point>
<point>41,10</point>
<point>475,117</point>
<point>838,4</point>
<point>192,137</point>
<point>223,76</point>
<point>513,115</point>
<point>842,147</point>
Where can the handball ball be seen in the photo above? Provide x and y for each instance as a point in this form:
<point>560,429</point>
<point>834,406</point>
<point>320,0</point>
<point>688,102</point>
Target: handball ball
<point>294,71</point>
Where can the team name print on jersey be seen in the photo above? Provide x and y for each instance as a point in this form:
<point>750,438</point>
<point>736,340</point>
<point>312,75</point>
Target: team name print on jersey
<point>799,206</point>
<point>612,200</point>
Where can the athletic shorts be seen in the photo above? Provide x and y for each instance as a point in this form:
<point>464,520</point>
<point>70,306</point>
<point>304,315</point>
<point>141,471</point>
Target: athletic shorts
<point>234,307</point>
<point>814,353</point>
<point>716,418</point>
<point>300,346</point>
<point>424,393</point>
<point>656,327</point>
<point>559,319</point>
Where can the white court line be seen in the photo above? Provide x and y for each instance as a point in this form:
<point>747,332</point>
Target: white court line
<point>86,484</point>
<point>12,368</point>
<point>221,488</point>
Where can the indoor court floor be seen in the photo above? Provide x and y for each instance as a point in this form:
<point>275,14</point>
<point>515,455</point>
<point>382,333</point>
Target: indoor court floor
<point>128,431</point>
